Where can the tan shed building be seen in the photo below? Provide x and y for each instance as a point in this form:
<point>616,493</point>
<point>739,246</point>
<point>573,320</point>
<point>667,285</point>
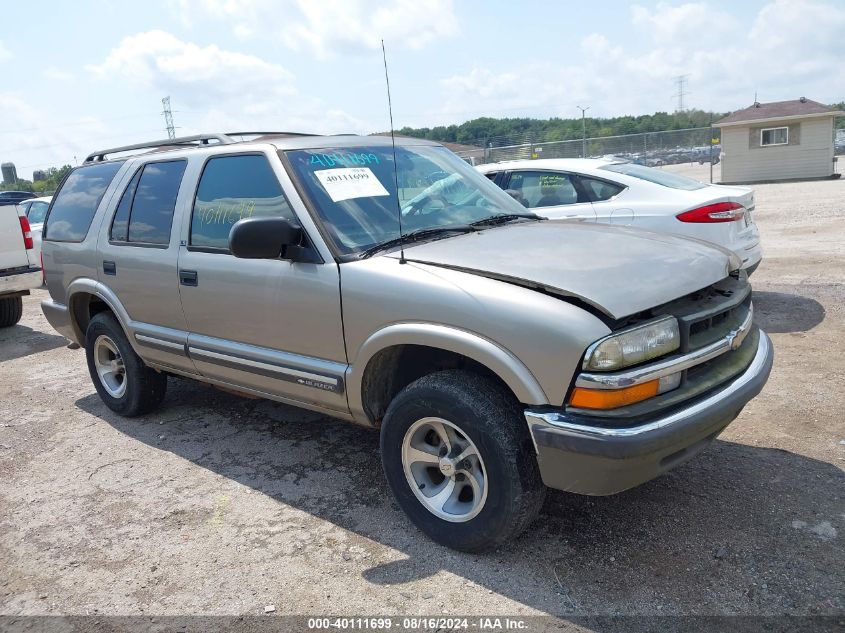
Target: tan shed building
<point>784,140</point>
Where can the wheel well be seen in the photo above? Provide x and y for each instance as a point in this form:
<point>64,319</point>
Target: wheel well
<point>394,368</point>
<point>84,307</point>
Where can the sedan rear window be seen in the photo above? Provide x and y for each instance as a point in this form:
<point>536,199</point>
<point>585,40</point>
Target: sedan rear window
<point>658,177</point>
<point>76,203</point>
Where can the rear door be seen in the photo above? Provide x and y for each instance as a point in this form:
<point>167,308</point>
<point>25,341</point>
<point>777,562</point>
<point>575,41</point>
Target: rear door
<point>608,203</point>
<point>138,252</point>
<point>554,194</point>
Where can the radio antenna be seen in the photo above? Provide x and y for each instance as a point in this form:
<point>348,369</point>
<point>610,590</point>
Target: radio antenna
<point>393,144</point>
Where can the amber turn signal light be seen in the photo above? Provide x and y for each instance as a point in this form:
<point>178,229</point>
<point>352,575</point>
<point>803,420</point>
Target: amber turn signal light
<point>613,398</point>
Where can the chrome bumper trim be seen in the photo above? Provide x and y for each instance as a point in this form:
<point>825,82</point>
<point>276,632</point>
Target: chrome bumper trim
<point>618,380</point>
<point>554,419</point>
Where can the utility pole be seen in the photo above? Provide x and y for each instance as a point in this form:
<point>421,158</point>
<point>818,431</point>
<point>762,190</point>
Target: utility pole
<point>168,118</point>
<point>680,82</point>
<point>583,131</point>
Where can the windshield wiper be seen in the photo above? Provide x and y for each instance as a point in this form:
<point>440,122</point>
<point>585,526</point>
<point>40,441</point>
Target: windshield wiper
<point>503,218</point>
<point>415,236</point>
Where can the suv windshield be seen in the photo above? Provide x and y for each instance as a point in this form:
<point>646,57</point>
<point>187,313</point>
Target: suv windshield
<point>353,190</point>
<point>667,179</point>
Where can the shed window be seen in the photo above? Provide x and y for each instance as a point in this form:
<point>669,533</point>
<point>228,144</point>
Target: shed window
<point>774,136</point>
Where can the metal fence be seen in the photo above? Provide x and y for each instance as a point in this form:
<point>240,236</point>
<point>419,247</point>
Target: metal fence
<point>694,145</point>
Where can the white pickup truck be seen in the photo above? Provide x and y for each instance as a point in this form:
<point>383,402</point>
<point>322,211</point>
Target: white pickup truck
<point>18,273</point>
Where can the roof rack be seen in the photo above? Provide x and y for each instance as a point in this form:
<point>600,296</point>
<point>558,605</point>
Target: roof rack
<point>195,140</point>
<point>270,134</point>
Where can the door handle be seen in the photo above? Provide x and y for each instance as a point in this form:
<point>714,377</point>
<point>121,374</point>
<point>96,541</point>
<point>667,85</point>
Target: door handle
<point>109,268</point>
<point>188,278</point>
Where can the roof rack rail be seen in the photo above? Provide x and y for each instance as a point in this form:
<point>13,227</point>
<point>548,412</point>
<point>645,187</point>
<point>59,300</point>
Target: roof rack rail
<point>196,139</point>
<point>270,134</point>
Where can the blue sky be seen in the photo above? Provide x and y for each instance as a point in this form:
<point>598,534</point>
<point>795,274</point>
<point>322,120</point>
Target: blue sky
<point>92,74</point>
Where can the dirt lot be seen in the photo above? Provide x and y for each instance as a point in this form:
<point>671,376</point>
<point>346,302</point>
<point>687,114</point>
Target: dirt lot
<point>221,505</point>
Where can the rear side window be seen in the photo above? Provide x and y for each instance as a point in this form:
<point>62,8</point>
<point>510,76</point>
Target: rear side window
<point>232,188</point>
<point>120,224</point>
<point>151,215</point>
<point>544,188</point>
<point>658,177</point>
<point>600,189</point>
<point>76,202</point>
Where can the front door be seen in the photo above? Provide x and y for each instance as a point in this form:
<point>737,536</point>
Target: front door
<point>270,325</point>
<point>552,194</point>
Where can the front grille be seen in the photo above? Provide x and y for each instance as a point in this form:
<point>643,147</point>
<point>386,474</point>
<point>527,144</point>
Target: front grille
<point>710,314</point>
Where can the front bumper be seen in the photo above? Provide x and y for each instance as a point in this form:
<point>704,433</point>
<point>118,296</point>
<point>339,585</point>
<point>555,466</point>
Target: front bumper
<point>603,460</point>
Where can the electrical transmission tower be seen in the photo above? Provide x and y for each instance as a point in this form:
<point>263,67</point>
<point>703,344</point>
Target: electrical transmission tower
<point>681,82</point>
<point>168,118</point>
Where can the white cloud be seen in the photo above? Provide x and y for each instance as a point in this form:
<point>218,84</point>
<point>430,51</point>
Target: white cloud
<point>56,74</point>
<point>341,26</point>
<point>791,48</point>
<point>5,53</point>
<point>683,24</point>
<point>330,27</point>
<point>201,75</point>
<point>37,141</point>
<point>222,89</point>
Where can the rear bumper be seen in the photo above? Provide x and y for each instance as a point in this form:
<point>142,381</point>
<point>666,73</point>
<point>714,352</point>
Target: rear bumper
<point>20,281</point>
<point>602,460</point>
<point>751,257</point>
<point>58,316</point>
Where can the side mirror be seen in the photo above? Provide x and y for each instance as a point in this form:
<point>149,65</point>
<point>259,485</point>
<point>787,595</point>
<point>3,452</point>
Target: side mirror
<point>263,238</point>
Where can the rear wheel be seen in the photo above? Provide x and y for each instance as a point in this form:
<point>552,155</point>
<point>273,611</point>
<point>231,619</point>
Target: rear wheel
<point>11,310</point>
<point>125,384</point>
<point>458,458</point>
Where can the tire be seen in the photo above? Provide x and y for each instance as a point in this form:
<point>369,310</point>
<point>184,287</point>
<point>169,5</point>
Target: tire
<point>481,416</point>
<point>11,310</point>
<point>140,389</point>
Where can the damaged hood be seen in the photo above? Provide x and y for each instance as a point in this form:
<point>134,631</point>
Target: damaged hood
<point>619,271</point>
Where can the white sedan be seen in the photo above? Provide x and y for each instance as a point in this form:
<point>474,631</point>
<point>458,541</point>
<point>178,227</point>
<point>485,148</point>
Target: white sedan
<point>621,193</point>
<point>35,210</point>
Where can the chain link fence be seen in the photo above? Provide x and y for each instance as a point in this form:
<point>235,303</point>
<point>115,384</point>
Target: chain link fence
<point>672,147</point>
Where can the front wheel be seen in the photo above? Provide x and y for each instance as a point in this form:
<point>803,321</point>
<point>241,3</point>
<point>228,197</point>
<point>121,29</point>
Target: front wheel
<point>460,463</point>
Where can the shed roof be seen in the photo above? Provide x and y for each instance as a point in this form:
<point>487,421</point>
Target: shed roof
<point>795,108</point>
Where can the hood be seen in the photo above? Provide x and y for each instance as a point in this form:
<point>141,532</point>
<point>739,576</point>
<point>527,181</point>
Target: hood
<point>619,271</point>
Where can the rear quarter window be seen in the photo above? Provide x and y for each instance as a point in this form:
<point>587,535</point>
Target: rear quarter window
<point>76,202</point>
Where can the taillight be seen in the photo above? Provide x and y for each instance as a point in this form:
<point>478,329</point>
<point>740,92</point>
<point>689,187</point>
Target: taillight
<point>27,232</point>
<point>718,212</point>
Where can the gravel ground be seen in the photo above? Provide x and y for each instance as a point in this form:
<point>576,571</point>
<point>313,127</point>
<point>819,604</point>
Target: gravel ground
<point>222,505</point>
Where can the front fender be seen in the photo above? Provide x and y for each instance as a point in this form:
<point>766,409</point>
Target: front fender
<point>500,361</point>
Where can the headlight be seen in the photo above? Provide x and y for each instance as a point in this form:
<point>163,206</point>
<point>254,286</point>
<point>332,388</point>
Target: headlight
<point>634,346</point>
